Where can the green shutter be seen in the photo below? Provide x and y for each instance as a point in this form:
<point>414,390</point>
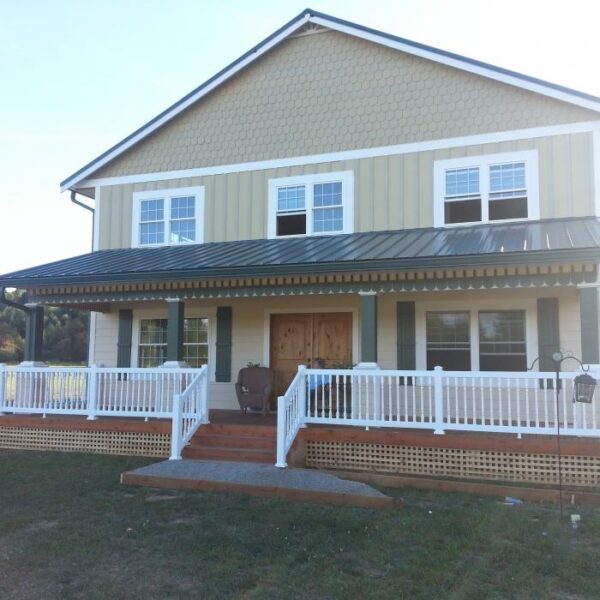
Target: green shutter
<point>223,349</point>
<point>406,336</point>
<point>590,351</point>
<point>124,339</point>
<point>175,326</point>
<point>548,332</point>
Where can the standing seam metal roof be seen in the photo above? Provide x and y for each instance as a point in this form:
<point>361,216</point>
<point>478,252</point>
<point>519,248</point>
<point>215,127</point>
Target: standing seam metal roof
<point>556,239</point>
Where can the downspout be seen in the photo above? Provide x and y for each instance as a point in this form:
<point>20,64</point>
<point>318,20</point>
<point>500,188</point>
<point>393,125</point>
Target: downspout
<point>92,210</point>
<point>91,321</point>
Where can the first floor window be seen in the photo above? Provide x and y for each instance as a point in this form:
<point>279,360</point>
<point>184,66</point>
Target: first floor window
<point>448,340</point>
<point>311,204</point>
<point>502,343</point>
<point>168,217</point>
<point>153,342</point>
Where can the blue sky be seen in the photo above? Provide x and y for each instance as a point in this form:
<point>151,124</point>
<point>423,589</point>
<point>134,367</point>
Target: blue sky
<point>79,76</point>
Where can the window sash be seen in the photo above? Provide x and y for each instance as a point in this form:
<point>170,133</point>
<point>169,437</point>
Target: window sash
<point>508,189</point>
<point>154,353</point>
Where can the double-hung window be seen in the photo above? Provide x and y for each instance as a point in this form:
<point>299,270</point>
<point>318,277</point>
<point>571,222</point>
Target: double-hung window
<point>152,346</point>
<point>484,189</point>
<point>320,204</point>
<point>165,217</point>
<point>497,338</point>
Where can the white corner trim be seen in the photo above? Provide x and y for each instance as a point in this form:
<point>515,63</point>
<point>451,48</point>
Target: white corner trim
<point>96,217</point>
<point>529,157</point>
<point>464,65</point>
<point>596,167</point>
<point>167,195</point>
<point>314,159</point>
<point>347,180</point>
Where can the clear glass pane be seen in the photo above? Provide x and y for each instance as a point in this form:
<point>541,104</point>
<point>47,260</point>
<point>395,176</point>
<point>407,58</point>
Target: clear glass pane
<point>510,176</point>
<point>291,198</point>
<point>462,182</point>
<point>183,231</point>
<point>448,340</point>
<point>328,219</point>
<point>153,331</point>
<point>152,233</point>
<point>328,194</point>
<point>152,210</point>
<point>183,208</point>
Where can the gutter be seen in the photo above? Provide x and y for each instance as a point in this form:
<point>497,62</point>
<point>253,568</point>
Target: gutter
<point>83,205</point>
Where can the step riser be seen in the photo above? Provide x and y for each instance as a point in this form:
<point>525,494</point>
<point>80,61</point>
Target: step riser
<point>229,455</point>
<point>267,431</point>
<point>240,443</point>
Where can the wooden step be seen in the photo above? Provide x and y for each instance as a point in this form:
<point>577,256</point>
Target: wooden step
<point>234,441</point>
<point>230,454</point>
<point>269,431</point>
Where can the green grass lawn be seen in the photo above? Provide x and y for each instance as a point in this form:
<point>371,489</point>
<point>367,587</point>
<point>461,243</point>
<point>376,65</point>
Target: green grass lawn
<point>68,529</point>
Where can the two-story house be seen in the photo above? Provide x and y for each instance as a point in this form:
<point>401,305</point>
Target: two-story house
<point>344,194</point>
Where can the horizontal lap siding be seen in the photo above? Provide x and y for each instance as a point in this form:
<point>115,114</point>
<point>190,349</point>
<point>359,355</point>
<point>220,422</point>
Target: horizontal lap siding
<point>393,192</point>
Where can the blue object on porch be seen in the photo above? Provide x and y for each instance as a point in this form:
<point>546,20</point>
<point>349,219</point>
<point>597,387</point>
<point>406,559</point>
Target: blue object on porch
<point>255,479</point>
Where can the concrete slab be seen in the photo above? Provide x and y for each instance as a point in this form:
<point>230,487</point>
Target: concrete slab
<point>256,479</point>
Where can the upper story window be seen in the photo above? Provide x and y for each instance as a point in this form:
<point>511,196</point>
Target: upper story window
<point>489,188</point>
<point>317,204</point>
<point>163,217</point>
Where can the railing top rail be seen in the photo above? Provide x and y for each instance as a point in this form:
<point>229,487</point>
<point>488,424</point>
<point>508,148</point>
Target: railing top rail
<point>448,374</point>
<point>129,370</point>
<point>200,374</point>
<point>294,383</point>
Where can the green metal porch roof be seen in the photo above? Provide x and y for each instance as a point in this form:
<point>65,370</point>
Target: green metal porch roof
<point>554,240</point>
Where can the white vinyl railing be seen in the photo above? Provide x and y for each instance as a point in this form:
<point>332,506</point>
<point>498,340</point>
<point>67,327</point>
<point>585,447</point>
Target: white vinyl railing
<point>92,391</point>
<point>291,414</point>
<point>190,410</point>
<point>438,400</point>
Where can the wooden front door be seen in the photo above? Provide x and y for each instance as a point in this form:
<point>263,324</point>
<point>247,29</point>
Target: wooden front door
<point>297,339</point>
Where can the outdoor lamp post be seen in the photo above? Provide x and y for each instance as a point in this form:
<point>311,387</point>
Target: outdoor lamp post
<point>583,391</point>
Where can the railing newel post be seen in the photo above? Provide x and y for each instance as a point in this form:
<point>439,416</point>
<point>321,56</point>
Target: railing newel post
<point>176,428</point>
<point>3,379</point>
<point>302,404</point>
<point>438,398</point>
<point>205,420</point>
<point>281,433</point>
<point>92,390</point>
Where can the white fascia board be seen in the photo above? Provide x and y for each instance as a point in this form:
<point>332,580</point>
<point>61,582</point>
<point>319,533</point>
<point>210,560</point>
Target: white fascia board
<point>464,65</point>
<point>596,167</point>
<point>440,144</point>
<point>69,183</point>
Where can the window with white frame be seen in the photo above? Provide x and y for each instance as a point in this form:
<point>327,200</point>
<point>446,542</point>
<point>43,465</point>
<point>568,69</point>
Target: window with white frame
<point>317,204</point>
<point>152,345</point>
<point>489,188</point>
<point>164,217</point>
<point>499,340</point>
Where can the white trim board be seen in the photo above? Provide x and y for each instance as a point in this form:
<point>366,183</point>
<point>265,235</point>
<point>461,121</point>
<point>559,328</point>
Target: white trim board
<point>344,27</point>
<point>313,159</point>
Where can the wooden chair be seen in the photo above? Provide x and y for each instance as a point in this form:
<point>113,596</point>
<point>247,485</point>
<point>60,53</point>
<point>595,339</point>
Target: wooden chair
<point>254,387</point>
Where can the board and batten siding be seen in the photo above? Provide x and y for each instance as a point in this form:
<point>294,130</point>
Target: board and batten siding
<point>390,192</point>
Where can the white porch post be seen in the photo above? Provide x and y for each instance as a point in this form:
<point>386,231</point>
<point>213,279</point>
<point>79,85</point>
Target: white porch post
<point>281,433</point>
<point>92,392</point>
<point>2,387</point>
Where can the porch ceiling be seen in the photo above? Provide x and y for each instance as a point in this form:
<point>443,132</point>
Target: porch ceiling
<point>542,242</point>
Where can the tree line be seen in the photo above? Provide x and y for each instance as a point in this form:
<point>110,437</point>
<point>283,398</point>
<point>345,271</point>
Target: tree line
<point>65,333</point>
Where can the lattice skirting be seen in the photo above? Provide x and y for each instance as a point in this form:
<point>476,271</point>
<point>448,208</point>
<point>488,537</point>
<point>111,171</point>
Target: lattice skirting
<point>126,443</point>
<point>448,462</point>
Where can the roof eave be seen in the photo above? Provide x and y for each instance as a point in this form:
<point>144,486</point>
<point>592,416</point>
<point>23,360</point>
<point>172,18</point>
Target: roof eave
<point>406,264</point>
<point>461,62</point>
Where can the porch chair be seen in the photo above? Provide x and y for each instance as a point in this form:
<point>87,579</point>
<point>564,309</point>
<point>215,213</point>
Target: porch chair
<point>254,387</point>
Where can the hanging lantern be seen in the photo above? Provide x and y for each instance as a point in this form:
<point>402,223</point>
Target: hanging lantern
<point>584,388</point>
